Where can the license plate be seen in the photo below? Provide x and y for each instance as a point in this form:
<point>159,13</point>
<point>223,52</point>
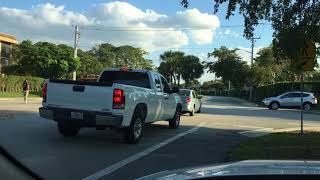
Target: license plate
<point>76,115</point>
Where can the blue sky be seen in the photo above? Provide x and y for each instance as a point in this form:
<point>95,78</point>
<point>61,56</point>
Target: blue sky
<point>85,12</point>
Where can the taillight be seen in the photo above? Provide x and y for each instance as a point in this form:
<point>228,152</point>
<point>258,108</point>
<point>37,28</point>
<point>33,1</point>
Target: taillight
<point>188,100</point>
<point>118,99</point>
<point>44,92</point>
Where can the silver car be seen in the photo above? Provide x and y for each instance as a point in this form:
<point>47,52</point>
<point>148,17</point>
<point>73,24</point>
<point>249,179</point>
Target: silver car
<point>191,102</point>
<point>291,99</point>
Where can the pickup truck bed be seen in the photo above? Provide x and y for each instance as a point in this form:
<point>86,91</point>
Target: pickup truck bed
<point>118,99</point>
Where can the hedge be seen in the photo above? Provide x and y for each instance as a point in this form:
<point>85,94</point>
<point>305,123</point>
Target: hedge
<point>259,93</point>
<point>12,83</point>
<point>279,88</point>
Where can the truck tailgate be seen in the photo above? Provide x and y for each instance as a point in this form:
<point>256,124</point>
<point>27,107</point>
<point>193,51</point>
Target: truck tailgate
<point>83,97</point>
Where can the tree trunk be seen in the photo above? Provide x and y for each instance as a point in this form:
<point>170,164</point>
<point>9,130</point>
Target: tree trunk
<point>174,79</point>
<point>292,80</point>
<point>179,77</point>
<point>186,85</point>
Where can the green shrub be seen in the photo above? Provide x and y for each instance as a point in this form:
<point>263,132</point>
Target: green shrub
<point>12,83</point>
<point>279,88</point>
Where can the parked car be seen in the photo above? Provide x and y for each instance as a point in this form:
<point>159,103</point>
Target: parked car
<point>291,99</point>
<point>121,98</point>
<point>191,103</point>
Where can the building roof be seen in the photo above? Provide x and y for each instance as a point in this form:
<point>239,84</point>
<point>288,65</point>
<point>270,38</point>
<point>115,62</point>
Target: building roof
<point>8,38</point>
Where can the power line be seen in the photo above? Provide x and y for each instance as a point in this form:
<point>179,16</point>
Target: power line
<point>153,29</point>
<point>169,28</point>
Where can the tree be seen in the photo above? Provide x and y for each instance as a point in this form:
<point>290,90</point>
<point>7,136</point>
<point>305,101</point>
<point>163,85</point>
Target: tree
<point>267,67</point>
<point>164,68</point>
<point>213,85</point>
<point>229,66</point>
<point>104,53</point>
<point>294,22</point>
<point>122,56</point>
<point>45,59</point>
<point>173,60</point>
<point>89,64</point>
<point>192,69</point>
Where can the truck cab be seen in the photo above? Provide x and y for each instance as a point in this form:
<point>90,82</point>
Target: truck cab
<point>121,98</point>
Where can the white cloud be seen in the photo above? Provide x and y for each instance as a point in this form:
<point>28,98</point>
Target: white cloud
<point>48,22</point>
<point>207,76</point>
<point>245,54</point>
<point>227,33</point>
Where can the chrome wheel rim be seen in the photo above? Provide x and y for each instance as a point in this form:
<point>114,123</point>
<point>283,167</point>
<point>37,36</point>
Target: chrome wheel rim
<point>137,128</point>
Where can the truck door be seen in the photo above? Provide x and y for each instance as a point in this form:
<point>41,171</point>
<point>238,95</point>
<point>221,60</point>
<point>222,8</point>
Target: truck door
<point>156,100</point>
<point>169,100</point>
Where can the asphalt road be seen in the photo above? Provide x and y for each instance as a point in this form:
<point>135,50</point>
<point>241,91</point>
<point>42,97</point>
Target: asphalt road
<point>203,139</point>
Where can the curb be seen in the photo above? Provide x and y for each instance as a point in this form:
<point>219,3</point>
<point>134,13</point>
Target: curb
<point>16,99</point>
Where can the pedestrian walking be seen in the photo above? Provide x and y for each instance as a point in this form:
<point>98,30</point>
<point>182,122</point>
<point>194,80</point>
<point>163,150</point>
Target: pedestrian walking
<point>26,88</point>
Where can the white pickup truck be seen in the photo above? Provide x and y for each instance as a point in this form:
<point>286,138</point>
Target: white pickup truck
<point>121,98</point>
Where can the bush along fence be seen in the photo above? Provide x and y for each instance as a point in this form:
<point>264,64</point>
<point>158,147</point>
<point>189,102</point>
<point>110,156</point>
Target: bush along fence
<point>12,83</point>
<point>259,93</point>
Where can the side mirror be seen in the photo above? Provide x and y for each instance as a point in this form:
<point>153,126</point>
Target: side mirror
<point>175,90</point>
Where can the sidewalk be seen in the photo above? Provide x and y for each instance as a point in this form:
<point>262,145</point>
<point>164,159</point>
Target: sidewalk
<point>19,98</point>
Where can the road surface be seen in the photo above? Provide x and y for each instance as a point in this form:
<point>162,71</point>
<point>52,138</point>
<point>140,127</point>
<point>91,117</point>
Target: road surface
<point>205,138</point>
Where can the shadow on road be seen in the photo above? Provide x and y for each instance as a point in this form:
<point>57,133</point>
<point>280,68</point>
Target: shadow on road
<point>37,143</point>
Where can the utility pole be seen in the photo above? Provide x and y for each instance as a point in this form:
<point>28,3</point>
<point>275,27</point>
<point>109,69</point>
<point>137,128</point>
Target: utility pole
<point>252,47</point>
<point>75,53</point>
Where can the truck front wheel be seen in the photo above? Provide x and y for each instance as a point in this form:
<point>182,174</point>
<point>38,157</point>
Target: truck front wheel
<point>67,130</point>
<point>175,121</point>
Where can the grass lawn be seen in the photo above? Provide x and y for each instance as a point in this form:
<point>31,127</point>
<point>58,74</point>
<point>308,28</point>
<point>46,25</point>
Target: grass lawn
<point>18,94</point>
<point>286,145</point>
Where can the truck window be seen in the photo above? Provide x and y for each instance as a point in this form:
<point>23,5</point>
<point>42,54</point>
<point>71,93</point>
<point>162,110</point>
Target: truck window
<point>157,82</point>
<point>165,85</point>
<point>139,79</point>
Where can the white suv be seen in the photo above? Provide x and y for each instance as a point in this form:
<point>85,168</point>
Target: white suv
<point>291,99</point>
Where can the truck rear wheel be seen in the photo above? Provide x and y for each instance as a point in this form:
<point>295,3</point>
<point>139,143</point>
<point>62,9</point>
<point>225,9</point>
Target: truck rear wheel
<point>134,131</point>
<point>175,121</point>
<point>67,130</point>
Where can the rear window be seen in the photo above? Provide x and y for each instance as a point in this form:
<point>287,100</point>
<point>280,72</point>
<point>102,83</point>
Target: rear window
<point>139,79</point>
<point>306,95</point>
<point>184,93</point>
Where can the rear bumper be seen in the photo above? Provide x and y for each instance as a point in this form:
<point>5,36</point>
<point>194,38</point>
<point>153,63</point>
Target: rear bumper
<point>89,118</point>
<point>186,108</point>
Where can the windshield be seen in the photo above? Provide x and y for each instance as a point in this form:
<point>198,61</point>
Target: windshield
<point>120,89</point>
<point>184,92</point>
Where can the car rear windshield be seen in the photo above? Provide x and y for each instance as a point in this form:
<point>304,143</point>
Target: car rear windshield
<point>139,79</point>
<point>184,93</point>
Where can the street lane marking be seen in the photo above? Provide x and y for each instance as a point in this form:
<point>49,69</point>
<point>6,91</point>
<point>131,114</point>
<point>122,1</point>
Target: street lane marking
<point>256,130</point>
<point>137,156</point>
<point>235,125</point>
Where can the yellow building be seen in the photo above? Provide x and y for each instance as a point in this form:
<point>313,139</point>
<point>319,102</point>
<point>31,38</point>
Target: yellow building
<point>6,42</point>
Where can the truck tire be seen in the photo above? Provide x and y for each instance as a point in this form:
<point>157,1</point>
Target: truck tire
<point>175,121</point>
<point>67,130</point>
<point>134,131</point>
